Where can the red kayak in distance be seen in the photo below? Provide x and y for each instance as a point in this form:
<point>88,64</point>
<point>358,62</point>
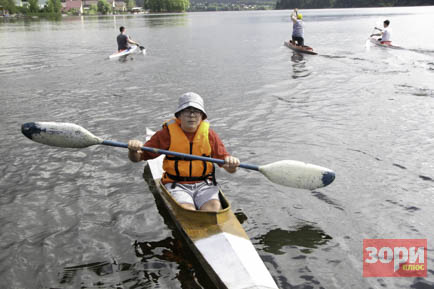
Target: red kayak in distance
<point>378,43</point>
<point>301,49</point>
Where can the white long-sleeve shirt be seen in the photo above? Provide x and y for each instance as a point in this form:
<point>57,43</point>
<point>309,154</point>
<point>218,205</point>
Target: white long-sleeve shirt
<point>386,35</point>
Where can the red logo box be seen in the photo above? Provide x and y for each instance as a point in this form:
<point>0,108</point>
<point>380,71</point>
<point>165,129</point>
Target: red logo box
<point>395,257</point>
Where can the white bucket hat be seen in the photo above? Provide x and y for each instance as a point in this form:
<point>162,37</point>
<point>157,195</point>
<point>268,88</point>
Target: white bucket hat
<point>191,99</point>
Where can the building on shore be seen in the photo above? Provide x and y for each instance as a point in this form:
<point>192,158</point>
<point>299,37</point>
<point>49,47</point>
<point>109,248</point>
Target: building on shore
<point>136,10</point>
<point>81,5</point>
<point>21,3</point>
<point>78,5</point>
<point>116,5</point>
<point>72,4</point>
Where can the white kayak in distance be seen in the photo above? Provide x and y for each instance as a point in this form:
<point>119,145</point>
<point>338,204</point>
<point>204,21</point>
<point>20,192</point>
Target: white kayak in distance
<point>130,50</point>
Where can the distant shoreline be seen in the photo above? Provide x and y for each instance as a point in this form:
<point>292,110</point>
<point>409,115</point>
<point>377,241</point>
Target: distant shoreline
<point>59,16</point>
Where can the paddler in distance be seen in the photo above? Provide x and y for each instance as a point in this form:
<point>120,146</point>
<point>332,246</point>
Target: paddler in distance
<point>124,40</point>
<point>384,33</point>
<point>192,183</point>
<point>297,28</point>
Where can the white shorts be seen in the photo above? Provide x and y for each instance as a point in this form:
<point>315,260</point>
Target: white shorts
<point>196,194</point>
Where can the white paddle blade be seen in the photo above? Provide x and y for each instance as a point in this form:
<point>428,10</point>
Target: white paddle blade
<point>59,134</point>
<point>297,174</point>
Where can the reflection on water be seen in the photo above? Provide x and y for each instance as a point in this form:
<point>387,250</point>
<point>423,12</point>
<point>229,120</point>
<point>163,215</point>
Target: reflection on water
<point>299,69</point>
<point>157,261</point>
<point>190,272</point>
<point>306,237</point>
<point>127,58</point>
<point>328,200</point>
<point>240,216</point>
<point>166,19</point>
<point>98,273</point>
<point>187,270</point>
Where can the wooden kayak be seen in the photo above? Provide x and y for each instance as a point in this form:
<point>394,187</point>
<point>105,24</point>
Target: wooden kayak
<point>302,49</point>
<point>217,239</point>
<point>378,43</point>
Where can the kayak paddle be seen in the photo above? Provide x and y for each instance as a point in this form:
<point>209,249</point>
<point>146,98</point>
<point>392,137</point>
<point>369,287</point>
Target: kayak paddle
<point>142,48</point>
<point>288,173</point>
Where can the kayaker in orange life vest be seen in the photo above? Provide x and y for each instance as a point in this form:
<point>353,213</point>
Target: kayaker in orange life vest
<point>191,182</point>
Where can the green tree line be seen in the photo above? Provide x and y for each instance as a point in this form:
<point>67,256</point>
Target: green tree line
<point>166,5</point>
<point>8,5</point>
<point>290,4</point>
<point>52,8</point>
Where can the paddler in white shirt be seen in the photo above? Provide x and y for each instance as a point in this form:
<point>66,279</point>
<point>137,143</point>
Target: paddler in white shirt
<point>384,33</point>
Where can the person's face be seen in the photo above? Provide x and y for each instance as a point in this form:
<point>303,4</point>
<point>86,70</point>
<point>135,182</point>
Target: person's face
<point>190,119</point>
<point>384,25</point>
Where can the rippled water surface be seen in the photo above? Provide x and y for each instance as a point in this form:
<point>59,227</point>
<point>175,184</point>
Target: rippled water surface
<point>72,218</point>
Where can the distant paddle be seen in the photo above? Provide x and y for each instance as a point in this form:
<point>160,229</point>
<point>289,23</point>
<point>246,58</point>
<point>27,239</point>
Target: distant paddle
<point>288,173</point>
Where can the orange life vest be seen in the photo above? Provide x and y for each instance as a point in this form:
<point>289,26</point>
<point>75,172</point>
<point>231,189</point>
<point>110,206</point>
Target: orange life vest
<point>180,170</point>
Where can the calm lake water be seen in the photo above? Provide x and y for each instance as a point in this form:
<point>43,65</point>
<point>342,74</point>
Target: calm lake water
<point>86,218</point>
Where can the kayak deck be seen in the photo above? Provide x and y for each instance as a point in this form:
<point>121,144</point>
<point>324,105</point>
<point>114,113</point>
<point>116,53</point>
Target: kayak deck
<point>217,239</point>
<point>302,49</point>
